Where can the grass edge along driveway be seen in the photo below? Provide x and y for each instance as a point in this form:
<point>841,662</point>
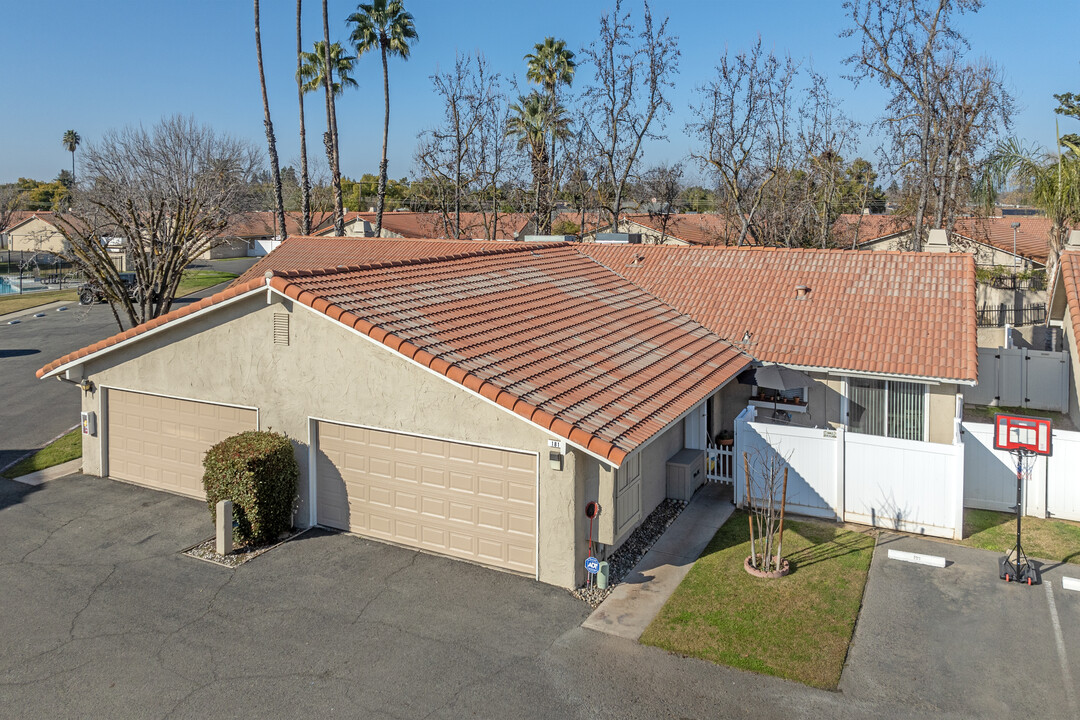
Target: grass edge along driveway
<point>66,447</point>
<point>798,627</point>
<point>193,281</point>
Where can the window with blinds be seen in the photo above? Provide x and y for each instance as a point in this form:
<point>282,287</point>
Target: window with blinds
<point>887,407</point>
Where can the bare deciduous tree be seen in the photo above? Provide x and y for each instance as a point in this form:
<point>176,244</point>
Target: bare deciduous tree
<point>162,195</point>
<point>662,187</point>
<point>941,109</point>
<point>742,125</point>
<point>443,151</point>
<point>627,103</point>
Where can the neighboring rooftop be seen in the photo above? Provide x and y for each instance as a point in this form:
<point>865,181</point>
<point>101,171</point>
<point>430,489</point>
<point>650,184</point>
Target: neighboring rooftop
<point>889,313</point>
<point>433,225</point>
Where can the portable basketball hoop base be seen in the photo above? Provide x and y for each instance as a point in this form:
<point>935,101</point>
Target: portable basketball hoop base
<point>1024,438</point>
<point>1015,567</point>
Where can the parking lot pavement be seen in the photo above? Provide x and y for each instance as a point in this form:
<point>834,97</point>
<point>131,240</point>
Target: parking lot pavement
<point>960,640</point>
<point>32,411</point>
<point>103,617</point>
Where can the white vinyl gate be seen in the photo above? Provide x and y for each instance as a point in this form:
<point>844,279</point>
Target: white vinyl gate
<point>868,479</point>
<point>990,475</point>
<point>1019,377</point>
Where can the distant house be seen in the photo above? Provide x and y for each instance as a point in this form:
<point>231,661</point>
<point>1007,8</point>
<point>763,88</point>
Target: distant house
<point>677,229</point>
<point>37,231</point>
<point>253,234</point>
<point>431,225</point>
<point>989,239</point>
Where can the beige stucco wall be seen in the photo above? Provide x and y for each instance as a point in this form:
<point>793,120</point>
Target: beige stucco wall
<point>36,235</point>
<point>228,356</point>
<point>234,248</point>
<point>825,406</point>
<point>654,457</point>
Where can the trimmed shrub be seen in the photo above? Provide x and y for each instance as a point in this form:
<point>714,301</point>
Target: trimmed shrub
<point>258,472</point>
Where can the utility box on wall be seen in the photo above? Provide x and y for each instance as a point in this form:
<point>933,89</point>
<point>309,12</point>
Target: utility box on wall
<point>685,473</point>
<point>89,423</point>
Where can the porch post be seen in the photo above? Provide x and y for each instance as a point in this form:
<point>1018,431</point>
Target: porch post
<point>841,438</point>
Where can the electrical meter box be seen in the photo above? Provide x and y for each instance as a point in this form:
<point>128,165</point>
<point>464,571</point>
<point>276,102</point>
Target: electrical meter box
<point>89,423</point>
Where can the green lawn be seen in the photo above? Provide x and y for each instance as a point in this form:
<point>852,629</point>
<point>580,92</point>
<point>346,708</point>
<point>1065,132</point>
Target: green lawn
<point>67,447</point>
<point>797,627</point>
<point>194,280</point>
<point>14,303</point>
<point>1057,540</point>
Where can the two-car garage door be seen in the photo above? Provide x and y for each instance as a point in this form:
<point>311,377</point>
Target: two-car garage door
<point>465,501</point>
<point>159,441</point>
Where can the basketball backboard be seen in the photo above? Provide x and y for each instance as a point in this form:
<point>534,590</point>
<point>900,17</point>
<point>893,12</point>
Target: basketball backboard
<point>1020,432</point>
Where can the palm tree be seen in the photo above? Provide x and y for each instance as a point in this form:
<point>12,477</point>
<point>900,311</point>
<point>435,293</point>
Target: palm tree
<point>71,141</point>
<point>531,118</point>
<point>305,181</point>
<point>311,65</point>
<point>279,205</point>
<point>382,24</point>
<point>1055,185</point>
<point>550,66</point>
<point>333,153</point>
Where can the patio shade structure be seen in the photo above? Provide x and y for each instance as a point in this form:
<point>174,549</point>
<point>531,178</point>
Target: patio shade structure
<point>777,377</point>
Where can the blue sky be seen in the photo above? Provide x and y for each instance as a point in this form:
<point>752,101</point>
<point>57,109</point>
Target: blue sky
<point>92,66</point>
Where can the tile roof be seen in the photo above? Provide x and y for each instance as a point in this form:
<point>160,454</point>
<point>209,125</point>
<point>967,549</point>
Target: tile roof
<point>881,312</point>
<point>539,329</point>
<point>260,224</point>
<point>316,253</point>
<point>433,226</point>
<point>1032,237</point>
<point>693,228</point>
<point>1069,278</point>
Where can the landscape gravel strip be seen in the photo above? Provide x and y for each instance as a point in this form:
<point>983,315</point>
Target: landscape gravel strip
<point>240,554</point>
<point>629,554</point>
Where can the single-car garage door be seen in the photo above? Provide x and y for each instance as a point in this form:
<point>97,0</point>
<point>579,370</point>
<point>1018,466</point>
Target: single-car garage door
<point>469,502</point>
<point>160,442</point>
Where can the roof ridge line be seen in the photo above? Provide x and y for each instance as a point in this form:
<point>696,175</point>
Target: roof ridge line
<point>288,274</point>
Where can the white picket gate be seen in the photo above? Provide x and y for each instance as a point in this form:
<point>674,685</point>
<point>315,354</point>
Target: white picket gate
<point>990,475</point>
<point>867,479</point>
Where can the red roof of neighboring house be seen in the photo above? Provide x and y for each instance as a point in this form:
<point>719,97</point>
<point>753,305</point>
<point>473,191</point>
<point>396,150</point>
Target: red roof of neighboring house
<point>1068,278</point>
<point>878,312</point>
<point>1032,237</point>
<point>316,253</point>
<point>694,228</point>
<point>261,224</point>
<point>541,330</point>
<point>433,225</point>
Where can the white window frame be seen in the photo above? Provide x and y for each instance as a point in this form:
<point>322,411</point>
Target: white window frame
<point>846,405</point>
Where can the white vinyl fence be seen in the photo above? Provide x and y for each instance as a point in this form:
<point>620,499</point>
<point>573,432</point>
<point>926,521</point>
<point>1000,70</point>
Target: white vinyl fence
<point>880,481</point>
<point>990,475</point>
<point>1018,377</point>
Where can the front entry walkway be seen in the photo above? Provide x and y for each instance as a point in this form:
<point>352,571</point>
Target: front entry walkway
<point>635,601</point>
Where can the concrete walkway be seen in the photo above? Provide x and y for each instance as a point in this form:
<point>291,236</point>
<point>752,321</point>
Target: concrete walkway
<point>51,473</point>
<point>635,601</point>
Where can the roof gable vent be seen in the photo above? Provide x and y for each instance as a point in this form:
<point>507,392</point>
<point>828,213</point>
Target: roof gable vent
<point>802,292</point>
<point>281,328</point>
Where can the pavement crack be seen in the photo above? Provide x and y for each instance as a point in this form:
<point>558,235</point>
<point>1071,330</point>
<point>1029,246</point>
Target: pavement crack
<point>89,599</point>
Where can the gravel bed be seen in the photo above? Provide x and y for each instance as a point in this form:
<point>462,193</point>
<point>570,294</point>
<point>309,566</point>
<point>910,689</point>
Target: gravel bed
<point>630,552</point>
<point>240,554</point>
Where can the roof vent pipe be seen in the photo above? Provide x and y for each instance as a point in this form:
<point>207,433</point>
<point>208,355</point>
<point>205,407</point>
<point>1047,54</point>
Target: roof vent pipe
<point>802,292</point>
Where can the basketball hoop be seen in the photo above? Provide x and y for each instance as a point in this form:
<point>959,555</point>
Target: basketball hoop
<point>1025,438</point>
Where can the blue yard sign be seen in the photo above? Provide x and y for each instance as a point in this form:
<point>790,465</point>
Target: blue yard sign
<point>592,565</point>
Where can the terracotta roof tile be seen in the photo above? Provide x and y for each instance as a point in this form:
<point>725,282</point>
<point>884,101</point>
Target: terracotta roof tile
<point>881,312</point>
<point>1069,277</point>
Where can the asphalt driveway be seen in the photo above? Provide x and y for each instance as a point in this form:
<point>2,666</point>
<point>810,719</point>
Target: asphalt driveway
<point>960,640</point>
<point>102,617</point>
<point>32,411</point>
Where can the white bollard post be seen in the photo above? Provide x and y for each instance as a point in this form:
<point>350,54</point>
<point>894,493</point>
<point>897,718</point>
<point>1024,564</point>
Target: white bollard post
<point>224,527</point>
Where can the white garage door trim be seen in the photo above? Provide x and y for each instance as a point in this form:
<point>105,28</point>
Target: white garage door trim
<point>313,485</point>
<point>103,417</point>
